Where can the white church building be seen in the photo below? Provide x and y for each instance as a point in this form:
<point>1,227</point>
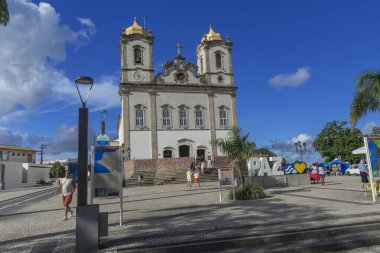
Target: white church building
<point>181,111</point>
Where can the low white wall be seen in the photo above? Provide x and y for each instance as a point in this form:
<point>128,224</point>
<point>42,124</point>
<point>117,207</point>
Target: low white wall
<point>13,174</point>
<point>36,172</point>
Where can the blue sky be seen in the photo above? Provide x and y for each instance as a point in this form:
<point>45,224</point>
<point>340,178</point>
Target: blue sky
<point>295,63</point>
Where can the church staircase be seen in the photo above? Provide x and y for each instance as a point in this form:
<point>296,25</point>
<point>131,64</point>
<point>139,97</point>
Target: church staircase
<point>172,177</point>
<point>169,177</point>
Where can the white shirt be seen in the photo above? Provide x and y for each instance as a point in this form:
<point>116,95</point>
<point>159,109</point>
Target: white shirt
<point>67,187</point>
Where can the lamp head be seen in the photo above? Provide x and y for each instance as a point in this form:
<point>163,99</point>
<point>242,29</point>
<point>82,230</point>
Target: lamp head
<point>85,83</point>
<point>103,114</point>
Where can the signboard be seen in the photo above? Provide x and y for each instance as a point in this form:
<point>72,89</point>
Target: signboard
<point>103,140</point>
<point>226,176</point>
<point>259,166</point>
<point>107,169</point>
<point>372,146</point>
<point>72,167</point>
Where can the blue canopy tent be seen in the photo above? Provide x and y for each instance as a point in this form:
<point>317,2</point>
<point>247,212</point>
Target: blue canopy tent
<point>343,165</point>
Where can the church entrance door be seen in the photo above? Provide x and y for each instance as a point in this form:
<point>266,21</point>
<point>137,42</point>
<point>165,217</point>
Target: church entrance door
<point>201,154</point>
<point>184,151</point>
<point>168,153</point>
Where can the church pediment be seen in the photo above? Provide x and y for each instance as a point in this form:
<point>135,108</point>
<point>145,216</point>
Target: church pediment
<point>178,72</point>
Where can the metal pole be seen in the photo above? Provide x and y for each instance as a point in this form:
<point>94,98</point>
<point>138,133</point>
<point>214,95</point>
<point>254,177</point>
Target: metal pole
<point>92,175</point>
<point>121,184</point>
<point>369,168</point>
<point>233,184</point>
<point>220,187</point>
<point>82,156</point>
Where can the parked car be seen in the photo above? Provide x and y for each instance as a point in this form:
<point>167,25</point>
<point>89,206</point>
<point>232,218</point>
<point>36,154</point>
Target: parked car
<point>353,171</point>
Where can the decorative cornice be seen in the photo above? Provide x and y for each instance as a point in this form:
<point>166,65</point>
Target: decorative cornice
<point>124,88</point>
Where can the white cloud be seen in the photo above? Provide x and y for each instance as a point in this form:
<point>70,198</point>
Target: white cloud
<point>367,129</point>
<point>291,79</point>
<point>65,140</point>
<point>286,148</point>
<point>30,46</point>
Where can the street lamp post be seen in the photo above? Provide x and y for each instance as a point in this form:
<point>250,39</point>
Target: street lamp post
<point>87,215</point>
<point>103,114</point>
<point>300,148</point>
<point>83,82</point>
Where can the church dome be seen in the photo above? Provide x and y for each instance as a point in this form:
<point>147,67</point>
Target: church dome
<point>212,35</point>
<point>134,29</point>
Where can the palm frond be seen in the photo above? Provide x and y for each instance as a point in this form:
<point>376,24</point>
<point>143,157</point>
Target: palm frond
<point>4,13</point>
<point>367,96</point>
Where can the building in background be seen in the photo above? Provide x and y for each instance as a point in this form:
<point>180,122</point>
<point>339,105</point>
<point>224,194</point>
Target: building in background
<point>181,111</point>
<point>18,168</point>
<point>17,154</point>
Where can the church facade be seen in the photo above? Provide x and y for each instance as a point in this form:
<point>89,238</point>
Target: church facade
<point>181,111</point>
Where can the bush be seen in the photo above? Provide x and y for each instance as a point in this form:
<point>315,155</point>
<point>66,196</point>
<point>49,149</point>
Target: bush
<point>248,192</point>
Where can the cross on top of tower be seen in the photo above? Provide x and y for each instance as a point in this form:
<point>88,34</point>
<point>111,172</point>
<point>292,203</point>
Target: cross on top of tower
<point>178,46</point>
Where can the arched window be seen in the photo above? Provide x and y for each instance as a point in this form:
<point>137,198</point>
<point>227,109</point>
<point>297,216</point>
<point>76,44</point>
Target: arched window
<point>138,56</point>
<point>182,117</point>
<point>198,117</point>
<point>223,116</point>
<point>218,59</point>
<point>139,116</point>
<point>166,117</point>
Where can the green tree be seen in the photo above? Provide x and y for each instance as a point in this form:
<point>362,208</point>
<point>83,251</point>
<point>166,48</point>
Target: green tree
<point>237,148</point>
<point>4,13</point>
<point>338,139</point>
<point>57,170</point>
<point>367,96</point>
<point>264,152</point>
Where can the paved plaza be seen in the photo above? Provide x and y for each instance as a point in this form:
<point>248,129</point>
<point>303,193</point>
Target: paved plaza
<point>157,215</point>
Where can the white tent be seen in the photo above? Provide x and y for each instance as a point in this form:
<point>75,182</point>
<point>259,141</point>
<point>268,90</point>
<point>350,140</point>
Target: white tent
<point>359,151</point>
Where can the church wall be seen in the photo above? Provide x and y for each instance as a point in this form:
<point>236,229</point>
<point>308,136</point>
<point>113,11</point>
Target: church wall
<point>130,54</point>
<point>191,79</point>
<point>176,99</point>
<point>142,98</point>
<point>226,79</point>
<point>225,65</point>
<point>220,100</point>
<point>221,134</point>
<point>201,69</point>
<point>140,145</point>
<point>225,59</point>
<point>170,138</point>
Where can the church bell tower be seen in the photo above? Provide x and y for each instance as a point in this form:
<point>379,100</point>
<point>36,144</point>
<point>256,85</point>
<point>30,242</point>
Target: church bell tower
<point>136,46</point>
<point>214,59</point>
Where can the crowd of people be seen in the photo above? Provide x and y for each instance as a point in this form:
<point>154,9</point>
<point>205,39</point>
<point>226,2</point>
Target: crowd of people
<point>318,172</point>
<point>197,167</point>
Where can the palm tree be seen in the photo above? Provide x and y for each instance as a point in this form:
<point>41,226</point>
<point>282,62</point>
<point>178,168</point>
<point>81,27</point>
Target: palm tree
<point>367,96</point>
<point>237,148</point>
<point>4,14</point>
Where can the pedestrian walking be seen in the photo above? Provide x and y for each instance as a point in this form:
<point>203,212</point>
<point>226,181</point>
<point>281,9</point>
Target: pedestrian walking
<point>196,179</point>
<point>67,187</point>
<point>363,173</point>
<point>188,176</point>
<point>322,174</point>
<point>141,177</point>
<point>203,166</point>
